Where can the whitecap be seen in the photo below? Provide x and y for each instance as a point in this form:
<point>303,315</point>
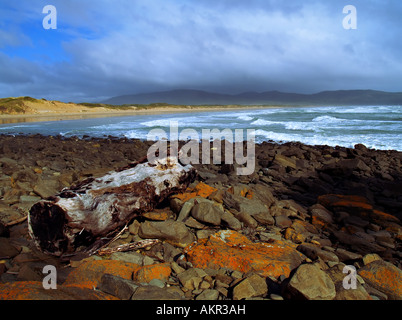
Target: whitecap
<point>277,136</point>
<point>262,122</point>
<point>158,123</point>
<point>327,119</point>
<point>245,118</point>
<point>299,126</point>
<point>135,134</point>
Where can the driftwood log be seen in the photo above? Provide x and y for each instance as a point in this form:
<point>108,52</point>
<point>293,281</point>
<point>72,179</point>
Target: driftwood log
<point>95,209</point>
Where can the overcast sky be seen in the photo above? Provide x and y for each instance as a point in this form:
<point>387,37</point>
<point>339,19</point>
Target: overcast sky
<point>107,48</point>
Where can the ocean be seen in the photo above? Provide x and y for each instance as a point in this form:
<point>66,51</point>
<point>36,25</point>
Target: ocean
<point>378,127</point>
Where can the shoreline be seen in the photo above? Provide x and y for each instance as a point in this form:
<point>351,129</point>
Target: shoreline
<point>315,207</point>
<point>59,116</point>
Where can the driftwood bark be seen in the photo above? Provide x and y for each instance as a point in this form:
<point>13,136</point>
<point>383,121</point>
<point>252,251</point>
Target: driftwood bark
<point>95,209</point>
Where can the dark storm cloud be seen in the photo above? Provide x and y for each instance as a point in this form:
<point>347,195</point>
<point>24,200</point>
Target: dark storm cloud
<point>110,48</point>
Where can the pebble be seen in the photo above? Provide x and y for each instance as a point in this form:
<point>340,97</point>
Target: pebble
<point>209,294</point>
<point>157,283</point>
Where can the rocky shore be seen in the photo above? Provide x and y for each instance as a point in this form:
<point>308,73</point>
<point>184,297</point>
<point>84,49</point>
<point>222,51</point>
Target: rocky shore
<point>285,232</point>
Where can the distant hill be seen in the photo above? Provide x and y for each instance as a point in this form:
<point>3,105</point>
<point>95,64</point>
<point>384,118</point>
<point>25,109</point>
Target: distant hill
<point>198,97</point>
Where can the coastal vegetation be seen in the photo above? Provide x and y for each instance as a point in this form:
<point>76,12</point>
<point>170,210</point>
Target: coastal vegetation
<point>28,105</point>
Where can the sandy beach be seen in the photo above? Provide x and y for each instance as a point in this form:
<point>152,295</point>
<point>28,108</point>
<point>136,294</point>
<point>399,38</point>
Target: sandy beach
<point>37,111</point>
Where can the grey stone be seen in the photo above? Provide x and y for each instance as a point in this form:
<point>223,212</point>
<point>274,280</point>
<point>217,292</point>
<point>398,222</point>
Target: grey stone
<point>322,213</point>
<point>207,212</point>
<point>176,205</point>
<point>252,286</point>
<point>46,188</point>
<point>174,232</point>
<point>283,222</point>
<point>311,283</point>
<point>203,234</point>
<point>7,249</point>
<point>132,257</point>
<point>356,221</point>
<point>185,210</point>
<point>24,198</point>
<point>291,208</point>
<point>247,219</point>
<point>251,206</point>
<point>157,283</point>
<point>155,293</point>
<point>118,287</point>
<point>193,223</point>
<point>264,218</point>
<point>29,273</point>
<point>134,227</point>
<point>231,221</point>
<point>337,276</point>
<point>264,194</point>
<point>314,252</point>
<point>345,255</point>
<point>361,242</point>
<point>8,165</point>
<point>176,268</point>
<point>191,278</point>
<point>208,294</point>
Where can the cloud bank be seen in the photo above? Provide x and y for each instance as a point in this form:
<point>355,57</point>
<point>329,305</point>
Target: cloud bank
<point>107,48</point>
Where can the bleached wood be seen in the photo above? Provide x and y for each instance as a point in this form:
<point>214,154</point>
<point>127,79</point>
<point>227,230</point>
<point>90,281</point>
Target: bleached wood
<point>100,207</point>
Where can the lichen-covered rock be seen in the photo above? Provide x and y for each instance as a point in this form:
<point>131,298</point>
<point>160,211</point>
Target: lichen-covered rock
<point>357,205</point>
<point>338,276</point>
<point>383,276</point>
<point>33,290</point>
<point>146,274</point>
<point>230,249</point>
<point>200,190</point>
<point>89,274</point>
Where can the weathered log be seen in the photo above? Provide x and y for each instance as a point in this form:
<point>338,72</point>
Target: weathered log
<point>95,209</point>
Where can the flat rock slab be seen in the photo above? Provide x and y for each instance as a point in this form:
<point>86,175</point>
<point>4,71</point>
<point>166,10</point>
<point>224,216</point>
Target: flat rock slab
<point>33,290</point>
<point>89,274</point>
<point>230,249</point>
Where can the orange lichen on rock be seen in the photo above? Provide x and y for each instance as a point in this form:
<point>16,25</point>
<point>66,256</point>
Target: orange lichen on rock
<point>232,250</point>
<point>330,199</point>
<point>89,274</point>
<point>383,276</point>
<point>318,223</point>
<point>244,192</point>
<point>379,215</point>
<point>159,271</point>
<point>337,200</point>
<point>34,290</point>
<point>158,214</point>
<point>357,205</point>
<point>200,190</point>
